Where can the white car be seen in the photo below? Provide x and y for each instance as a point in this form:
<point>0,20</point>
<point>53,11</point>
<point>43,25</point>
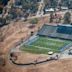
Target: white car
<point>50,53</point>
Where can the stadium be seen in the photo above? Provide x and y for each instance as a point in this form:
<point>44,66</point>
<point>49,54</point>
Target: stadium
<point>49,38</point>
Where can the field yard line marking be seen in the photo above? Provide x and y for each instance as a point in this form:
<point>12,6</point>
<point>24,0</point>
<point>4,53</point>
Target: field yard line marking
<point>54,40</point>
<point>40,47</point>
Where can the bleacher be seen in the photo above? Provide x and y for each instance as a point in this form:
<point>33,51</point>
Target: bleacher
<point>60,31</point>
<point>64,30</point>
<point>46,30</point>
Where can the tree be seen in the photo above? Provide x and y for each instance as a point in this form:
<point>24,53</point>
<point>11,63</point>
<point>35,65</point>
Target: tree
<point>65,3</point>
<point>13,13</point>
<point>30,5</point>
<point>67,18</point>
<point>51,17</point>
<point>2,61</point>
<point>51,3</point>
<point>59,6</point>
<point>2,4</point>
<point>34,21</point>
<point>1,36</point>
<point>1,7</point>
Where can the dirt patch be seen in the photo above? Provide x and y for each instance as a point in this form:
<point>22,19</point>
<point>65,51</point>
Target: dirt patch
<point>54,66</point>
<point>13,34</point>
<point>24,57</point>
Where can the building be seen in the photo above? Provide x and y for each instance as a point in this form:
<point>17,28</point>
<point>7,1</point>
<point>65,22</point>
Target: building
<point>48,10</point>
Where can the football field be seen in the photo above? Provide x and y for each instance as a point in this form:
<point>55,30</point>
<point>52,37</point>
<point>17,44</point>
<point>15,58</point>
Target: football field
<point>45,44</point>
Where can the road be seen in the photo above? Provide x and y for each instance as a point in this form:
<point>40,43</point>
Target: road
<point>40,8</point>
<point>45,15</point>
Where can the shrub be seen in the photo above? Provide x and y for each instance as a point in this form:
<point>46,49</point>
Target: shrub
<point>34,21</point>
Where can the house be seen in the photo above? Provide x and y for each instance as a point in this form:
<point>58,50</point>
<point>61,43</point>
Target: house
<point>49,10</point>
<point>64,8</point>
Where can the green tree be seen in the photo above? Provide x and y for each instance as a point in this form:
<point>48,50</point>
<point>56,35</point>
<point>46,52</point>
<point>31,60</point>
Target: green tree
<point>51,17</point>
<point>2,61</point>
<point>30,4</point>
<point>1,1</point>
<point>1,8</point>
<point>67,18</point>
<point>34,21</point>
<point>51,3</point>
<point>65,3</point>
<point>1,36</point>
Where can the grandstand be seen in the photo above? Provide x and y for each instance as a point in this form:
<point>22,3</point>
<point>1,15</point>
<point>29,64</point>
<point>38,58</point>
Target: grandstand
<point>46,30</point>
<point>59,31</point>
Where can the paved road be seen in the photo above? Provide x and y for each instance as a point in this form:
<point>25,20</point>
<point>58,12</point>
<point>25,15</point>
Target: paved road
<point>45,15</point>
<point>40,9</point>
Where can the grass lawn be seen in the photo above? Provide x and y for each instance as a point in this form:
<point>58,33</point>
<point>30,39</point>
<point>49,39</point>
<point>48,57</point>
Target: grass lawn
<point>44,44</point>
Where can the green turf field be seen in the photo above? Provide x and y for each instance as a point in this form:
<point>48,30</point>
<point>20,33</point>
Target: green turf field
<point>44,44</point>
